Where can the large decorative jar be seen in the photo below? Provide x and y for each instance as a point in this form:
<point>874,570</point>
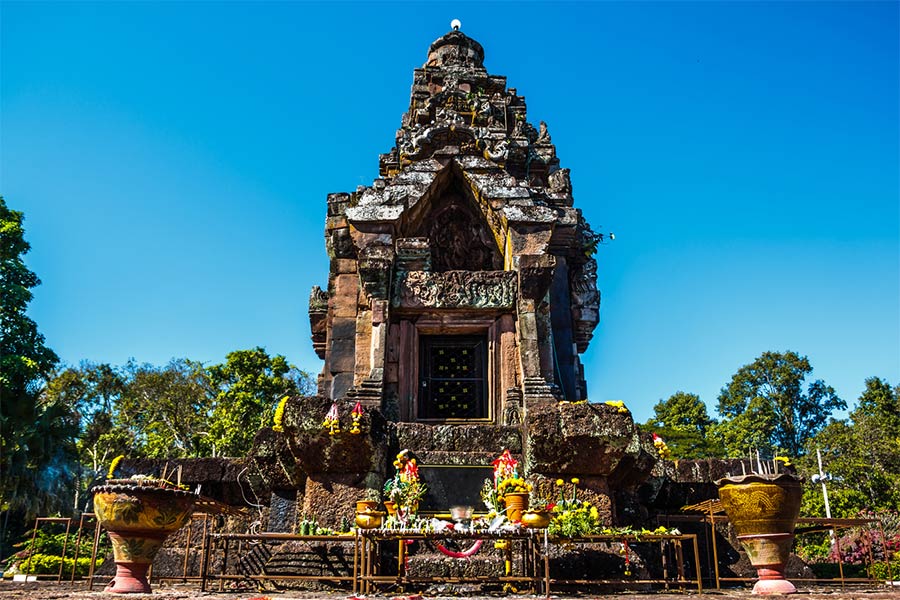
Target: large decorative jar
<point>764,510</point>
<point>139,515</point>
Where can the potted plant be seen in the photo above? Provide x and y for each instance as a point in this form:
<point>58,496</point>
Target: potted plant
<point>763,509</point>
<point>139,514</point>
<point>512,490</point>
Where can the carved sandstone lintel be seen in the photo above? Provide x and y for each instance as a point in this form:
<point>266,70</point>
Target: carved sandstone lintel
<point>318,311</point>
<point>456,289</point>
<point>375,265</point>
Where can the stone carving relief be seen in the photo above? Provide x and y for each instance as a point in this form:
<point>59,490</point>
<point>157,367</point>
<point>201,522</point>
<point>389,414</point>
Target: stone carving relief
<point>499,152</point>
<point>456,289</point>
<point>584,284</point>
<point>460,240</point>
<point>585,302</point>
<point>512,414</point>
<point>560,181</point>
<point>339,244</point>
<point>375,266</point>
<point>318,311</point>
<point>543,135</point>
<point>452,131</point>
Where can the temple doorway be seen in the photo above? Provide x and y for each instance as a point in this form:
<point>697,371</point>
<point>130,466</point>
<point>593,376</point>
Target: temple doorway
<point>452,378</point>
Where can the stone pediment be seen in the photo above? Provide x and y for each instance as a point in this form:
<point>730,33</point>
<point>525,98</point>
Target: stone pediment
<point>493,290</point>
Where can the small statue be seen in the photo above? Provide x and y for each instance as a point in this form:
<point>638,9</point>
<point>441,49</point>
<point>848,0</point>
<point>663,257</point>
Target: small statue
<point>512,415</point>
<point>543,135</point>
<point>560,181</point>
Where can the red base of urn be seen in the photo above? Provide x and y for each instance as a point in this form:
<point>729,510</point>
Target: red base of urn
<point>131,578</point>
<point>772,581</point>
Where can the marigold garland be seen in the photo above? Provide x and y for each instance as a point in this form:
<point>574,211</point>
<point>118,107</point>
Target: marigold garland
<point>618,405</point>
<point>112,466</point>
<point>279,415</point>
<point>661,448</point>
<point>332,420</point>
<point>356,415</point>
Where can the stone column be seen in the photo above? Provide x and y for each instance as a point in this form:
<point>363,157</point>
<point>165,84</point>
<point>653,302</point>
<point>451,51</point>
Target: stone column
<point>535,274</point>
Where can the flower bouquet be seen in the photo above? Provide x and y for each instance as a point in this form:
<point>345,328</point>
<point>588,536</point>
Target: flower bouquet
<point>405,489</point>
<point>572,517</point>
<point>509,489</point>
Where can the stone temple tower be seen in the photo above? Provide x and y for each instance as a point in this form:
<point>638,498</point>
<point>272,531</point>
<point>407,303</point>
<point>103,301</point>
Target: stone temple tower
<point>462,290</point>
<point>461,280</point>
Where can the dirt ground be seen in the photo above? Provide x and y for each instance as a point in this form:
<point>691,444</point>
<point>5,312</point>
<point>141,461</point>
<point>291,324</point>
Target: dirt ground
<point>58,591</point>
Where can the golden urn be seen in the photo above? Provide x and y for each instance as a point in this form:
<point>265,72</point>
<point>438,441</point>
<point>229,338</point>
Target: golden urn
<point>764,510</point>
<point>138,519</point>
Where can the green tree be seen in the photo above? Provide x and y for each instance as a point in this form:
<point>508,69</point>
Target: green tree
<point>247,388</point>
<point>166,410</point>
<point>764,406</point>
<point>36,433</point>
<point>862,453</point>
<point>92,392</point>
<point>684,423</point>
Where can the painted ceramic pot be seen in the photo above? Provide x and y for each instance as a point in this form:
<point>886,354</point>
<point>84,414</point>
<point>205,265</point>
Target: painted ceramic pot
<point>364,506</point>
<point>516,504</point>
<point>138,519</point>
<point>764,510</point>
<point>536,519</point>
<point>369,520</point>
<point>391,507</point>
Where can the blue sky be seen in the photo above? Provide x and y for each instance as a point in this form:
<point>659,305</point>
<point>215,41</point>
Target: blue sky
<point>172,161</point>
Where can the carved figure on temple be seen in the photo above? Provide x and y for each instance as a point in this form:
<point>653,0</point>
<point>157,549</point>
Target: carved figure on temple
<point>543,135</point>
<point>499,152</point>
<point>559,181</point>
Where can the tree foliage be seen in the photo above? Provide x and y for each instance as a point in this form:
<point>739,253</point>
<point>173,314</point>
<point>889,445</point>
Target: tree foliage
<point>24,358</point>
<point>862,453</point>
<point>166,410</point>
<point>91,392</point>
<point>765,405</point>
<point>33,445</point>
<point>684,423</point>
<point>247,387</point>
<point>180,410</point>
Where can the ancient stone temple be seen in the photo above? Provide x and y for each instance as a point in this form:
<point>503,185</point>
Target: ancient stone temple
<point>461,292</point>
<point>462,286</point>
<point>461,279</point>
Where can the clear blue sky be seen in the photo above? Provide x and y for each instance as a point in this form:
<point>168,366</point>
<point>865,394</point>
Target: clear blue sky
<point>172,161</point>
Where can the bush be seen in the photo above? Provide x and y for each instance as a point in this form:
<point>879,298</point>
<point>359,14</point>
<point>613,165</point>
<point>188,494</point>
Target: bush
<point>879,571</point>
<point>47,550</point>
<point>814,547</point>
<point>857,542</point>
<point>46,564</point>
